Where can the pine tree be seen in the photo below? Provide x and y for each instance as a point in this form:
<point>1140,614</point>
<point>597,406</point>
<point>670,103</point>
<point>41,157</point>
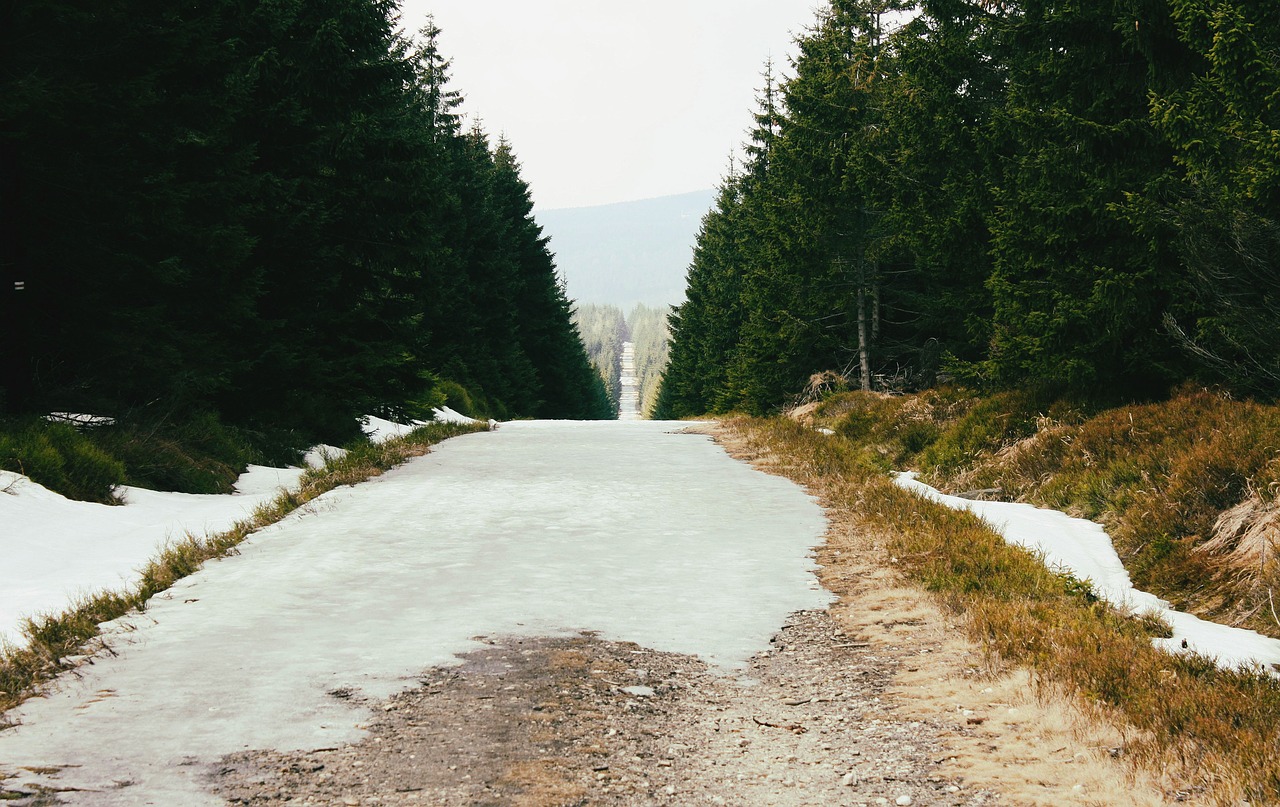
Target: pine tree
<point>1078,295</point>
<point>931,170</point>
<point>705,328</point>
<point>1223,125</point>
<point>336,137</point>
<point>816,291</point>
<point>128,191</point>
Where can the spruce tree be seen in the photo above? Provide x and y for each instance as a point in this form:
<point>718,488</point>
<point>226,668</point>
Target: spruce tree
<point>1222,216</point>
<point>128,190</point>
<point>1078,296</point>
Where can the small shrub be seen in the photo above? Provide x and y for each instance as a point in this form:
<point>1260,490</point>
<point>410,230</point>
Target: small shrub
<point>60,458</point>
<point>457,397</point>
<point>429,397</point>
<point>199,454</point>
<point>988,426</point>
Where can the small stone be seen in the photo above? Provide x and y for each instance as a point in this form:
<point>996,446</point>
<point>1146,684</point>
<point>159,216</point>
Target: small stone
<point>904,801</point>
<point>850,779</point>
<point>953,789</point>
<point>640,691</point>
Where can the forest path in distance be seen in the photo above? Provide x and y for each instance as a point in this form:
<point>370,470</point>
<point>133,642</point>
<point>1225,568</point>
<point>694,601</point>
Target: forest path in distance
<point>629,401</point>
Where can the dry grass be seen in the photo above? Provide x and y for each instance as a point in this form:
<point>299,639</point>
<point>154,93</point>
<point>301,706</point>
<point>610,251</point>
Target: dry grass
<point>58,642</point>
<point>1212,734</point>
<point>1188,488</point>
<point>542,783</point>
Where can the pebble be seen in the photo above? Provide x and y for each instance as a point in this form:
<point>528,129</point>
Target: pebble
<point>903,801</point>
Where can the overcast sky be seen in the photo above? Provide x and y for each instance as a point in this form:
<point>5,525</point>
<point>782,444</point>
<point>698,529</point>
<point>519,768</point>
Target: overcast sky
<point>608,101</point>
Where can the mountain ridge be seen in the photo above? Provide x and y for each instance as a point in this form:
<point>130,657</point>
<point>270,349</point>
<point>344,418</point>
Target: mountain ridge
<point>627,253</point>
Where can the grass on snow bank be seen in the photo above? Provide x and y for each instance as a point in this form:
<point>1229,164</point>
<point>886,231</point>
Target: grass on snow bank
<point>1216,731</point>
<point>56,641</point>
<point>1188,488</point>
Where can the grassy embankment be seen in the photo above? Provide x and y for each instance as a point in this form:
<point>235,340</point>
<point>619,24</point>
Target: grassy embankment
<point>55,641</point>
<point>1187,489</point>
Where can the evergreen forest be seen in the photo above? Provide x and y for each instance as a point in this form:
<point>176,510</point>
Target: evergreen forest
<point>267,214</point>
<point>1077,197</point>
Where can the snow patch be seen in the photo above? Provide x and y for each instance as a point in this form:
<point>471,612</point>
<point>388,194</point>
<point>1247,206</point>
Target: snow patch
<point>319,456</point>
<point>1084,549</point>
<point>80,420</point>
<point>380,430</point>
<point>55,550</point>
<point>444,414</point>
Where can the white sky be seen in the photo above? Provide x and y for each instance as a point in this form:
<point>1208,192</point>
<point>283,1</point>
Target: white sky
<point>610,101</point>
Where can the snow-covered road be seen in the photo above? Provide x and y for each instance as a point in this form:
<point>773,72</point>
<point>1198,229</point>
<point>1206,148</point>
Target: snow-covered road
<point>539,528</point>
<point>629,399</point>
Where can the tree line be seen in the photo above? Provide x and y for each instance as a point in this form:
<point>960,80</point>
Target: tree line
<point>272,211</point>
<point>1077,196</point>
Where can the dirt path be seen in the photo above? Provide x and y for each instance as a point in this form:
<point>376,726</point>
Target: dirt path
<point>586,721</point>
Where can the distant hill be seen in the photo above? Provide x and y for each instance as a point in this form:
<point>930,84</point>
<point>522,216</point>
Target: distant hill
<point>627,253</point>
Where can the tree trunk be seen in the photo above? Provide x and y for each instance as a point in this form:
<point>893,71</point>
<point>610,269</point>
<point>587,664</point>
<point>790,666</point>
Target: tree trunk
<point>875,305</point>
<point>864,343</point>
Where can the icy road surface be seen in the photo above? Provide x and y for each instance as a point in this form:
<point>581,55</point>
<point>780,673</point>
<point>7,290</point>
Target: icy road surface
<point>538,528</point>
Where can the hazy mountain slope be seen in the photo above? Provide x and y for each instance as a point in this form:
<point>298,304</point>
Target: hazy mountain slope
<point>627,253</point>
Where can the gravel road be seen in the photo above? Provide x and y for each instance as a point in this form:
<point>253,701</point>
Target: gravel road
<point>582,720</point>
